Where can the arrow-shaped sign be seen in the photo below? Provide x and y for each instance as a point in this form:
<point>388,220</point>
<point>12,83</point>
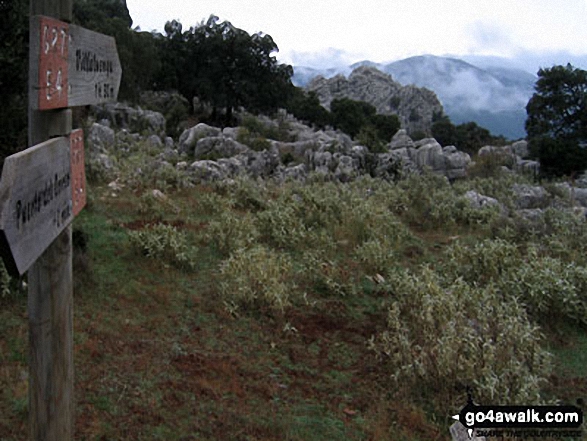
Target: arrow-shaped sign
<point>75,66</point>
<point>41,190</point>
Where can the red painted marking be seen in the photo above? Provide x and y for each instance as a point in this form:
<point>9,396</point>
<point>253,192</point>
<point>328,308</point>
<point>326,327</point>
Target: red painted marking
<point>78,171</point>
<point>53,62</point>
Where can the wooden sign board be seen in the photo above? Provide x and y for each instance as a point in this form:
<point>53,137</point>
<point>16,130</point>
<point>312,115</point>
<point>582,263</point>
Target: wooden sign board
<point>74,66</point>
<point>35,201</point>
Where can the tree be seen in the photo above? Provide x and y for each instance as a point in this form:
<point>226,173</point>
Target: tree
<point>350,116</point>
<point>306,107</point>
<point>468,137</point>
<point>138,51</point>
<point>14,49</point>
<point>557,120</point>
<point>225,66</point>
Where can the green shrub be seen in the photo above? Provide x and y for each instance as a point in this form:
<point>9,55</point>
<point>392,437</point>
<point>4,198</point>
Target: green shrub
<point>246,193</point>
<point>232,231</point>
<point>155,205</point>
<point>256,143</point>
<point>547,286</point>
<point>281,226</point>
<point>376,256</point>
<point>324,275</point>
<point>490,165</point>
<point>213,203</point>
<point>442,337</point>
<point>550,288</point>
<point>4,281</point>
<point>483,262</point>
<point>257,278</point>
<point>256,134</point>
<point>164,242</point>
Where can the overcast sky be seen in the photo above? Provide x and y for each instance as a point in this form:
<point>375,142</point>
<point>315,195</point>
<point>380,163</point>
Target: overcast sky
<point>318,32</point>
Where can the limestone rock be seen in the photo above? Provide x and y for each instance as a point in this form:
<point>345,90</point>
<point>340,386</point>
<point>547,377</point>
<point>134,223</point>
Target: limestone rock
<point>234,166</point>
<point>430,155</point>
<point>496,150</point>
<point>414,106</point>
<point>529,197</point>
<point>346,169</point>
<point>295,173</point>
<point>401,140</point>
<point>154,141</point>
<point>527,166</point>
<point>263,164</point>
<point>189,137</point>
<point>230,132</point>
<point>520,149</point>
<point>456,163</point>
<point>578,194</point>
<point>206,171</point>
<point>135,120</point>
<point>100,138</point>
<point>218,147</point>
<point>477,200</point>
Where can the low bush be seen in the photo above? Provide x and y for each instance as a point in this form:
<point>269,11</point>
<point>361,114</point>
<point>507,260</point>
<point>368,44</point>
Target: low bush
<point>165,243</point>
<point>232,231</point>
<point>257,278</point>
<point>4,281</point>
<point>280,225</point>
<point>547,286</point>
<point>443,336</point>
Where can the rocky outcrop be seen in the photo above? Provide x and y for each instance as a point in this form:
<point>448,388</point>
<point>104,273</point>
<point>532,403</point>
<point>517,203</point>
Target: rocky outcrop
<point>401,140</point>
<point>218,147</point>
<point>190,137</point>
<point>512,157</point>
<point>331,154</point>
<point>136,120</point>
<point>530,197</point>
<point>414,106</point>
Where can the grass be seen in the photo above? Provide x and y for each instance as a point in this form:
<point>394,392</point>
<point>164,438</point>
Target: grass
<point>160,355</point>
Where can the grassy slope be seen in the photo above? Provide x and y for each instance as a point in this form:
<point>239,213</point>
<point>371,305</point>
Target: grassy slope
<point>159,356</point>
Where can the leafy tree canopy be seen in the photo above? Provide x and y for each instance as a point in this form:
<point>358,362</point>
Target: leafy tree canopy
<point>557,120</point>
<point>13,75</point>
<point>225,66</point>
<point>468,137</point>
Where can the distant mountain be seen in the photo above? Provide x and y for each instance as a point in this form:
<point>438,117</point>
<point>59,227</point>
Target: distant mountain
<point>494,96</point>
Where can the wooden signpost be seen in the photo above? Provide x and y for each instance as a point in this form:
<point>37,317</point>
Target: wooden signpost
<point>76,66</point>
<point>42,189</point>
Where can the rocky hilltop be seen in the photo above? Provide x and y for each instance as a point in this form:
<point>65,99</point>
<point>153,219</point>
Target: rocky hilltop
<point>414,106</point>
<point>128,146</point>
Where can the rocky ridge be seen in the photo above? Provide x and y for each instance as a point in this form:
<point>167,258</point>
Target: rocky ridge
<point>204,154</point>
<point>414,106</point>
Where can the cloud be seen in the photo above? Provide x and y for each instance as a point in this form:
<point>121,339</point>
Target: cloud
<point>490,39</point>
<point>327,58</point>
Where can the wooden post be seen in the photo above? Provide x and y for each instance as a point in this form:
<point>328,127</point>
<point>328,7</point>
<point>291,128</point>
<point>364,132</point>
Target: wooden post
<point>50,298</point>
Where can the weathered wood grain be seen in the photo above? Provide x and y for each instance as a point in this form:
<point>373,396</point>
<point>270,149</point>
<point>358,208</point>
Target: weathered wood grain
<point>35,200</point>
<point>71,66</point>
<point>94,68</point>
<point>50,298</point>
<point>50,310</point>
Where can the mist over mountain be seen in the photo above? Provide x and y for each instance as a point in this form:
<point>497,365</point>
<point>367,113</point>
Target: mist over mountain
<point>493,92</point>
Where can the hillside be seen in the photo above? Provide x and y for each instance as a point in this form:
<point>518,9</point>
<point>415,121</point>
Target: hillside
<point>265,286</point>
